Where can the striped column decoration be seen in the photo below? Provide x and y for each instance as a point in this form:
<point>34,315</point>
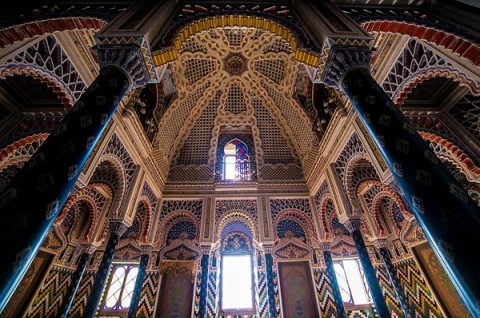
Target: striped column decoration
<point>203,286</point>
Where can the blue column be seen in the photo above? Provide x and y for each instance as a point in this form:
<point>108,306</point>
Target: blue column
<point>448,217</point>
<point>402,299</point>
<point>203,287</point>
<point>73,287</point>
<point>142,269</point>
<point>103,270</point>
<point>337,297</point>
<point>370,275</point>
<point>34,198</point>
<point>272,303</point>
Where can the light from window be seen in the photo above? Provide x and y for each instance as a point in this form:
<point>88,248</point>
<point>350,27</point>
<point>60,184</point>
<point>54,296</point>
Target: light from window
<point>230,171</point>
<point>351,282</point>
<point>121,287</point>
<point>237,282</point>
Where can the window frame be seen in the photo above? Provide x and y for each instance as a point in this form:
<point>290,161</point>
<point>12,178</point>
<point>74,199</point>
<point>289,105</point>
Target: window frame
<point>117,309</point>
<point>361,273</point>
<point>242,168</point>
<point>231,312</point>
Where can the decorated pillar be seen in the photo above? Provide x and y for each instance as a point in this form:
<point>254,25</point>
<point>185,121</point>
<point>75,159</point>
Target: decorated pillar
<point>35,196</point>
<point>337,297</point>
<point>142,269</point>
<point>116,231</point>
<point>448,217</point>
<point>272,302</point>
<point>76,279</point>
<point>204,286</point>
<point>353,225</point>
<point>402,299</point>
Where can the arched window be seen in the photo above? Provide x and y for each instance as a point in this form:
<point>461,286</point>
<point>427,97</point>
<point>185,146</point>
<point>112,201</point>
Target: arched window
<point>352,282</point>
<point>236,164</point>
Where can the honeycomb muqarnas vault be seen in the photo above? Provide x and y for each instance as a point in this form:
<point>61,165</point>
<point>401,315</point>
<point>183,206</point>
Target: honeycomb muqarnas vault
<point>240,159</point>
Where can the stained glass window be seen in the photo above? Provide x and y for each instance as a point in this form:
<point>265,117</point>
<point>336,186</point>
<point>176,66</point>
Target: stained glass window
<point>236,165</point>
<point>119,290</point>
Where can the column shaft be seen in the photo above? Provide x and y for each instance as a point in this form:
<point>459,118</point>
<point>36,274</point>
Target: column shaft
<point>337,297</point>
<point>406,309</point>
<point>271,285</point>
<point>204,286</point>
<point>34,198</point>
<point>449,218</point>
<point>101,277</point>
<point>73,287</point>
<point>369,271</point>
<point>142,269</point>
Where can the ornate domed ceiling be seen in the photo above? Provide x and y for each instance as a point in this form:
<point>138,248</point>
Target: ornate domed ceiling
<point>235,81</point>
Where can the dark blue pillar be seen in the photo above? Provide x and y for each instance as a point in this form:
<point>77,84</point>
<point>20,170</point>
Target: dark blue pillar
<point>448,217</point>
<point>402,299</point>
<point>337,297</point>
<point>34,198</point>
<point>202,311</point>
<point>272,303</point>
<point>370,275</point>
<point>73,287</point>
<point>142,269</point>
<point>117,229</point>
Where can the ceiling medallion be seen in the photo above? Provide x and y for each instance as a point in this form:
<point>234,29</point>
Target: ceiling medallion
<point>235,63</point>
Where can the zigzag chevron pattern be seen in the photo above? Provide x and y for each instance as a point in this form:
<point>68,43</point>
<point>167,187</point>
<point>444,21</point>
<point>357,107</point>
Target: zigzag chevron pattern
<point>146,305</point>
<point>198,290</point>
<point>84,289</point>
<point>362,313</point>
<point>388,291</point>
<point>262,295</point>
<point>324,293</point>
<point>212,294</point>
<point>49,298</point>
<point>419,296</point>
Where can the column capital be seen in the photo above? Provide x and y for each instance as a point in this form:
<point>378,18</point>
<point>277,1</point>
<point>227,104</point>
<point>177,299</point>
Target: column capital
<point>352,224</point>
<point>88,248</point>
<point>325,246</point>
<point>342,59</point>
<point>380,243</point>
<point>132,58</point>
<point>146,249</point>
<point>117,227</point>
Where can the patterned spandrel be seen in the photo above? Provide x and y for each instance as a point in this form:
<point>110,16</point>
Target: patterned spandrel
<point>466,112</point>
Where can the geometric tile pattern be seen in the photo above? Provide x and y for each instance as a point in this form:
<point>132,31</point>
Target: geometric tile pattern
<point>419,296</point>
<point>388,291</point>
<point>49,298</point>
<point>261,294</point>
<point>324,293</point>
<point>80,300</point>
<point>150,287</point>
<point>212,293</point>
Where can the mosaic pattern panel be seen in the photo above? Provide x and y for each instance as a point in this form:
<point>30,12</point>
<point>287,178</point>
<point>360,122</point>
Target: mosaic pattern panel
<point>49,298</point>
<point>439,281</point>
<point>324,293</point>
<point>80,300</point>
<point>419,296</point>
<point>146,305</point>
<point>388,291</point>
